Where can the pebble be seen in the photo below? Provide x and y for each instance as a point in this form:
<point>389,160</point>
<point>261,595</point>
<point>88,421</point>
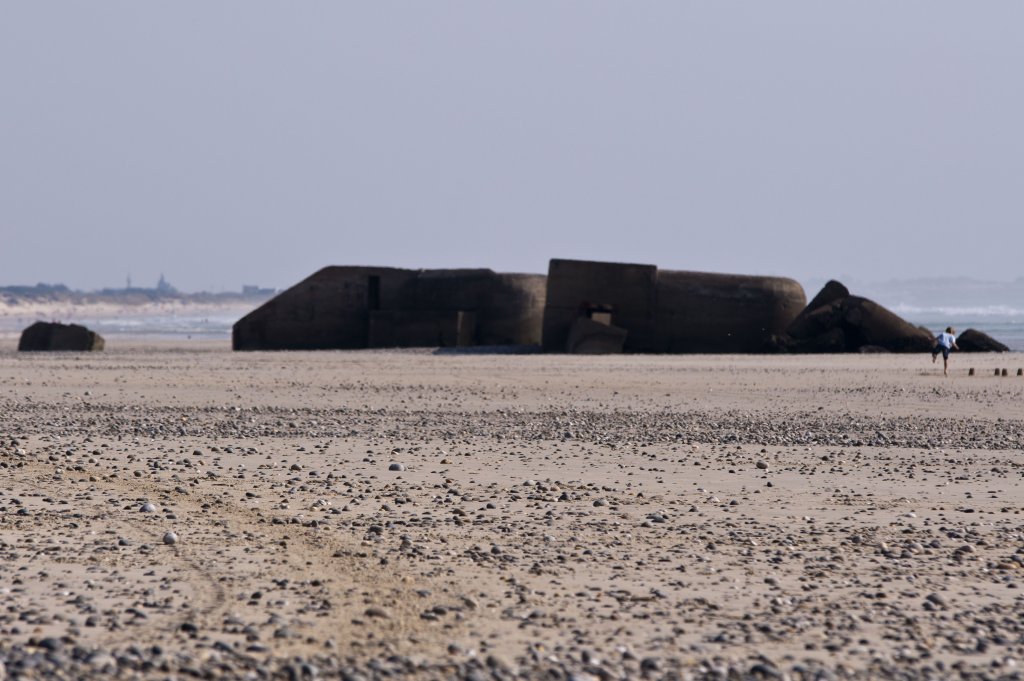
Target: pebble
<point>559,591</point>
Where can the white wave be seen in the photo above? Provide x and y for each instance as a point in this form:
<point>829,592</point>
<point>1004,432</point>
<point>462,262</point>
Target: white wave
<point>1004,312</point>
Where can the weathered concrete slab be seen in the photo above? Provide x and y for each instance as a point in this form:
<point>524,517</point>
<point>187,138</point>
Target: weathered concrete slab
<point>627,291</point>
<point>836,321</point>
<point>587,337</point>
<point>360,307</point>
<point>714,313</point>
<point>670,311</point>
<point>46,336</point>
<point>972,340</point>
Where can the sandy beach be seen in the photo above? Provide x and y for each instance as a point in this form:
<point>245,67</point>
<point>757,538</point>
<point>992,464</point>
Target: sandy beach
<point>173,509</point>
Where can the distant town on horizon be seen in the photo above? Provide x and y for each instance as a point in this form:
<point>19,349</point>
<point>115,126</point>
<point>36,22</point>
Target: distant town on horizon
<point>129,293</point>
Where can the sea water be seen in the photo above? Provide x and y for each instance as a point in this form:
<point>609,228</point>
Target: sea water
<point>1003,323</point>
<point>201,326</point>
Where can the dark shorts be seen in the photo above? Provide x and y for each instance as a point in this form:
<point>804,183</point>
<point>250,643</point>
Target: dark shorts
<point>941,348</point>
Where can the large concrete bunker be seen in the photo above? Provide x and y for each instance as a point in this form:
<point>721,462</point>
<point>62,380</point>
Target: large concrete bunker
<point>643,309</point>
<point>380,307</point>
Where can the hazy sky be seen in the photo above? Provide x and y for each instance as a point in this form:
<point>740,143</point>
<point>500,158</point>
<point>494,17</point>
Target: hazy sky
<point>224,143</point>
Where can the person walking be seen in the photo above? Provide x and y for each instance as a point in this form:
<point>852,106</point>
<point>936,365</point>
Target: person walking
<point>945,342</point>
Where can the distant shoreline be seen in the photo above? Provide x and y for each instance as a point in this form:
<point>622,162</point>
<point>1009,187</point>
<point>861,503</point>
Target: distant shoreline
<point>18,296</point>
<point>80,308</point>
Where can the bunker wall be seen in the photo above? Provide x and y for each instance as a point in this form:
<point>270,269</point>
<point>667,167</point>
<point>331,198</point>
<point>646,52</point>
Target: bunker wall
<point>327,310</point>
<point>627,290</point>
<point>719,313</point>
